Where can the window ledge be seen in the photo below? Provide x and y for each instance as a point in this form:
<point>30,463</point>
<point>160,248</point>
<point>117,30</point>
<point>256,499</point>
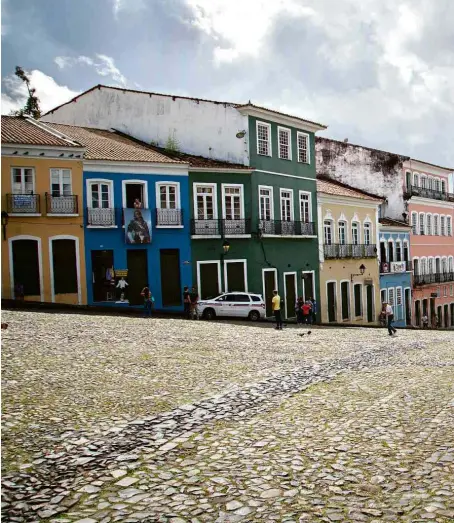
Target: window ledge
<point>61,215</point>
<point>289,236</point>
<point>24,214</point>
<point>233,236</point>
<point>102,226</point>
<point>169,226</point>
<point>205,237</point>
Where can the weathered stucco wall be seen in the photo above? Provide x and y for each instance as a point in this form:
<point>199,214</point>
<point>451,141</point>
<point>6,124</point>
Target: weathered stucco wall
<point>377,172</point>
<point>205,128</point>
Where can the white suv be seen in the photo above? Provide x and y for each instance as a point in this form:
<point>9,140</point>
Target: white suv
<point>233,304</point>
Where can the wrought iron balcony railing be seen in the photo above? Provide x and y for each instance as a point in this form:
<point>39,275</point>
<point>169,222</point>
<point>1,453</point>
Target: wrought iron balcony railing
<point>217,227</point>
<point>437,277</point>
<point>423,192</point>
<point>286,228</point>
<point>349,250</point>
<point>169,217</point>
<point>62,204</point>
<point>101,217</point>
<point>23,203</point>
<point>396,267</point>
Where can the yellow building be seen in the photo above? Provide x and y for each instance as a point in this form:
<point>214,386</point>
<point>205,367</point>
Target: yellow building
<point>42,215</point>
<point>349,269</point>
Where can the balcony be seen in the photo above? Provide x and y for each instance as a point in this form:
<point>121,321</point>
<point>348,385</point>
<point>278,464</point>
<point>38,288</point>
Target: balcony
<point>395,267</point>
<point>339,251</point>
<point>423,192</point>
<point>28,204</point>
<point>218,227</point>
<point>101,217</point>
<point>169,217</point>
<point>66,205</point>
<point>437,277</point>
<point>286,228</point>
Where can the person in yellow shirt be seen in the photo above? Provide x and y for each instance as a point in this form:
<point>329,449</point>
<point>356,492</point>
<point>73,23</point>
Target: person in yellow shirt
<point>276,306</point>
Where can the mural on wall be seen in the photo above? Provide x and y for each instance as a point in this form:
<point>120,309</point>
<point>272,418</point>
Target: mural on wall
<point>137,226</point>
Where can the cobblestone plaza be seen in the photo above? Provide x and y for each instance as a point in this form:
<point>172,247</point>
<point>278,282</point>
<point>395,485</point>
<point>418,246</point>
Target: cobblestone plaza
<point>109,418</point>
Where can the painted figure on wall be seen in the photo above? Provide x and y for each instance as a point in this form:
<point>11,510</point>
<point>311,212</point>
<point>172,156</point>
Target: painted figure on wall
<point>138,225</point>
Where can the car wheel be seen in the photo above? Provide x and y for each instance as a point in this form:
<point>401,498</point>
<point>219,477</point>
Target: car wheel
<point>209,314</point>
<point>254,316</point>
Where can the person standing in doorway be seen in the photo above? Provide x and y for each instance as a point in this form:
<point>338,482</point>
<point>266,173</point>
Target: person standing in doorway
<point>194,297</point>
<point>390,318</point>
<point>276,305</point>
<point>187,303</point>
<point>425,322</point>
<point>147,301</point>
<point>306,312</point>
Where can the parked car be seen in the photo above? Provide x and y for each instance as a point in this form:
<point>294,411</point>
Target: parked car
<point>233,304</point>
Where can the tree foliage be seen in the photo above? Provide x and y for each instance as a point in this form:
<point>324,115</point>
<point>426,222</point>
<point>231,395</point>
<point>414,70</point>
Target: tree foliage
<point>31,106</point>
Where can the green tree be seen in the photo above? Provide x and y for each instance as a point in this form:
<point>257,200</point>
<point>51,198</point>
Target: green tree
<point>31,106</point>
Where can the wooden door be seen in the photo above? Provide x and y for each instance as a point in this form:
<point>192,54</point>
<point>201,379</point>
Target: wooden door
<point>170,277</point>
<point>331,299</point>
<point>235,277</point>
<point>269,279</point>
<point>209,281</point>
<point>137,275</point>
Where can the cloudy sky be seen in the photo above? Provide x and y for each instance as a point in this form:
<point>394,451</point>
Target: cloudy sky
<point>379,72</point>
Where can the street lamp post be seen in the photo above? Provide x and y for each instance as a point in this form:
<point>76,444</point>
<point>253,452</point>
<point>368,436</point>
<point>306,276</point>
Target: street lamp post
<point>362,270</point>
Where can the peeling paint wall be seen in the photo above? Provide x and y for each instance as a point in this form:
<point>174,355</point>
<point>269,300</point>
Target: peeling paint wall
<point>376,172</point>
<point>204,128</point>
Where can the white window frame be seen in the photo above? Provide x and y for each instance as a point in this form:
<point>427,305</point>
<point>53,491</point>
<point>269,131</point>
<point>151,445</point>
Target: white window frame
<point>22,169</point>
<point>289,135</point>
<point>401,252</point>
<point>308,147</point>
<point>345,228</point>
<point>391,296</point>
<point>306,193</point>
<point>415,179</point>
<point>93,181</point>
<point>436,220</point>
<point>423,181</point>
<point>371,235</point>
<point>423,217</point>
<point>292,204</point>
<point>388,251</point>
<point>442,225</point>
<point>269,142</point>
<point>331,227</point>
<point>158,186</point>
<point>60,183</point>
<point>268,188</point>
<point>414,223</point>
<point>124,183</point>
<point>429,224</point>
<point>226,283</point>
<point>360,285</point>
<point>195,185</point>
<point>224,186</point>
<point>358,229</point>
<point>449,225</point>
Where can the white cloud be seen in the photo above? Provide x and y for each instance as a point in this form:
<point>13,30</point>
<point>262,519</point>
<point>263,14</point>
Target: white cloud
<point>104,66</point>
<point>49,92</point>
<point>127,5</point>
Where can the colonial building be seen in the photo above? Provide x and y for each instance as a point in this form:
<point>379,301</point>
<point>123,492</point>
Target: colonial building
<point>419,193</point>
<point>430,206</point>
<point>136,220</point>
<point>42,214</point>
<point>396,269</point>
<point>349,271</point>
<point>253,215</point>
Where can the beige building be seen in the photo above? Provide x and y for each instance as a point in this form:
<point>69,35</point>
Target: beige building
<point>349,268</point>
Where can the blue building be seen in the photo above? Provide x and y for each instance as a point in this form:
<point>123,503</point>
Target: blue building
<point>136,221</point>
<point>396,269</point>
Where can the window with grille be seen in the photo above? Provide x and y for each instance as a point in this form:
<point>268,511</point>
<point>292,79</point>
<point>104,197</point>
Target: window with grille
<point>168,196</point>
<point>286,206</point>
<point>328,231</point>
<point>452,290</point>
<point>342,232</point>
<point>398,295</point>
<point>414,222</point>
<point>23,180</point>
<point>263,139</point>
<point>355,233</point>
<point>436,225</point>
<point>205,202</point>
<point>303,147</point>
<point>285,151</point>
<point>415,180</point>
<point>422,266</point>
<point>443,186</point>
<point>423,182</point>
<point>429,224</point>
<point>232,202</point>
<point>100,195</point>
<point>451,264</point>
<point>430,265</point>
<point>442,225</point>
<point>391,297</point>
<point>449,225</point>
<point>61,182</point>
<point>367,233</point>
<point>305,207</point>
<point>398,251</point>
<point>445,291</point>
<point>437,184</point>
<point>266,201</point>
<point>421,224</point>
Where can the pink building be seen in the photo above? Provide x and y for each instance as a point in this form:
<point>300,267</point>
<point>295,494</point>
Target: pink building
<point>430,208</point>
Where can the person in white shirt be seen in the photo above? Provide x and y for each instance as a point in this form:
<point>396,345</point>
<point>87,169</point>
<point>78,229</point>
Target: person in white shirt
<point>390,318</point>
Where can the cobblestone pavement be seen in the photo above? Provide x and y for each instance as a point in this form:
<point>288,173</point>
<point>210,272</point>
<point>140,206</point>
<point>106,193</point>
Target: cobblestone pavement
<point>124,419</point>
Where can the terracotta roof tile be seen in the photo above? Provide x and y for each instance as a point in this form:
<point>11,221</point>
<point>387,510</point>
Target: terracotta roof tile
<point>25,131</point>
<point>338,189</point>
<point>109,145</point>
<point>393,223</point>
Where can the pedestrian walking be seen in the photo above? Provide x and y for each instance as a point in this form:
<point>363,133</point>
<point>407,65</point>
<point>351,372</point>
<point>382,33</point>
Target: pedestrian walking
<point>425,322</point>
<point>306,308</point>
<point>187,303</point>
<point>314,311</point>
<point>299,310</point>
<point>194,297</point>
<point>390,318</point>
<point>276,306</point>
<point>147,301</point>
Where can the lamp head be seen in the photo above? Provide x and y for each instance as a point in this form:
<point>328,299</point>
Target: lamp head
<point>5,218</point>
<point>226,246</point>
<point>362,269</point>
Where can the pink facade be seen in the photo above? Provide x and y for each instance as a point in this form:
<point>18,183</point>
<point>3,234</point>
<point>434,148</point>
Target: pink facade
<point>430,208</point>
